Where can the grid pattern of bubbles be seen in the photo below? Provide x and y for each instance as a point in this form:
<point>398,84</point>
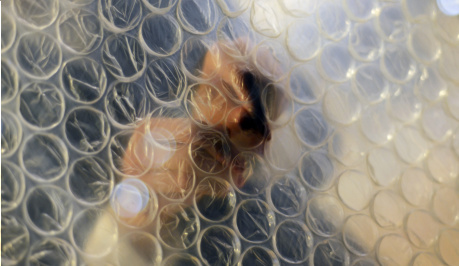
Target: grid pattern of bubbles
<point>360,167</point>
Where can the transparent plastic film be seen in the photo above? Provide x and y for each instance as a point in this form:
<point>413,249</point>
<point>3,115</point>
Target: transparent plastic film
<point>229,132</point>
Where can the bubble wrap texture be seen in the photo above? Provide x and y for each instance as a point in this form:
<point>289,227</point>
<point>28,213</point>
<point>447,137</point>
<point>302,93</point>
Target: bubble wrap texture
<point>121,143</point>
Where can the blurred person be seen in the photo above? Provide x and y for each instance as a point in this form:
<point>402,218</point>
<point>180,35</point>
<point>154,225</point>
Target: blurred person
<point>231,106</point>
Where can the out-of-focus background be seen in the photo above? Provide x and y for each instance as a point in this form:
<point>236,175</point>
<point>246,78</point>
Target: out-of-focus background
<point>361,170</point>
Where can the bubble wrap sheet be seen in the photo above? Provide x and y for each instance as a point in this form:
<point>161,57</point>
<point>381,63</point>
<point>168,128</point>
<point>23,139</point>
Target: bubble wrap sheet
<point>128,137</point>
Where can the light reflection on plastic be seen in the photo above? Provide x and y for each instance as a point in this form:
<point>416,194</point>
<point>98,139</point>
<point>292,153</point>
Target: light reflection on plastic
<point>449,7</point>
<point>129,198</point>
